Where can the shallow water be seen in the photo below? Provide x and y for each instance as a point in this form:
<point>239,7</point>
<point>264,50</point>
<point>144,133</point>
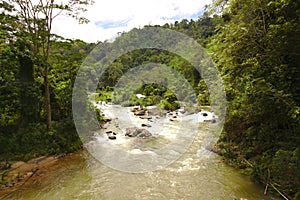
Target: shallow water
<point>82,177</point>
<point>196,174</point>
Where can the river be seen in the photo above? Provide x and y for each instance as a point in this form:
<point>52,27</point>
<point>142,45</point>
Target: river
<point>196,174</point>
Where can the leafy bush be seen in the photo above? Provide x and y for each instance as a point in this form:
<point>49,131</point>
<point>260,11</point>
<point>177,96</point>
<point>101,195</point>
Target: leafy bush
<point>34,140</point>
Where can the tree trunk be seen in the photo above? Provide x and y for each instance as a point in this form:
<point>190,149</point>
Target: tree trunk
<point>28,97</point>
<point>47,99</point>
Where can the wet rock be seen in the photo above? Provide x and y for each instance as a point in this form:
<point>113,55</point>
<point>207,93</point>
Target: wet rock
<point>173,118</point>
<point>155,111</point>
<point>144,134</point>
<point>107,119</point>
<point>111,133</point>
<point>146,125</point>
<point>134,109</point>
<point>137,132</point>
<point>145,117</point>
<point>131,132</point>
<point>140,112</point>
<point>112,137</point>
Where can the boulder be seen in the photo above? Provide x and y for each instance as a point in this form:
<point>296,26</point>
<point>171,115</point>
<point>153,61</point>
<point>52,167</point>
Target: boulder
<point>137,132</point>
<point>155,111</point>
<point>144,134</point>
<point>112,137</point>
<point>140,112</point>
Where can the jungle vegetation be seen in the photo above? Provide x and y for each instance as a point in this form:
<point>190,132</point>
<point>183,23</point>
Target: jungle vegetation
<point>254,44</point>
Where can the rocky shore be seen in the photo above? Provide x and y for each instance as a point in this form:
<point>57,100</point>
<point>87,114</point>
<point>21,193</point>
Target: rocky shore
<point>20,174</point>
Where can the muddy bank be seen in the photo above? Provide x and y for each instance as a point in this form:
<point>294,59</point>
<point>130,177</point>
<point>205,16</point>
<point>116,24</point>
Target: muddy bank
<point>21,174</point>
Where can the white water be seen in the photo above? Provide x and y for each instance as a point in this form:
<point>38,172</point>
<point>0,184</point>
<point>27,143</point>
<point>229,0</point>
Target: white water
<point>172,132</point>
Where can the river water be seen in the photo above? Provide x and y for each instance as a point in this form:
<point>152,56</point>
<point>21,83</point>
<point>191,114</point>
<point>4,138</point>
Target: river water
<point>196,174</point>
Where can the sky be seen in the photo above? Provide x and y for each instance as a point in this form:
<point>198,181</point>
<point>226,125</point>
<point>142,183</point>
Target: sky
<point>108,17</point>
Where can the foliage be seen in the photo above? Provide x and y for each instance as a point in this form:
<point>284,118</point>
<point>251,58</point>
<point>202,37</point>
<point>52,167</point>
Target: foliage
<point>257,52</point>
<point>99,115</point>
<point>20,140</point>
<point>154,94</point>
<point>33,33</point>
<point>23,130</point>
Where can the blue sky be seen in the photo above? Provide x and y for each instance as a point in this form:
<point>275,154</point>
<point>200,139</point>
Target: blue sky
<point>108,17</point>
<point>113,24</point>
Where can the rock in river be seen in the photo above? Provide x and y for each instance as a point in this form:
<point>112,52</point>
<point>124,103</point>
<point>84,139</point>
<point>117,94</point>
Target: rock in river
<point>112,137</point>
<point>145,117</point>
<point>137,132</point>
<point>140,112</point>
<point>146,125</point>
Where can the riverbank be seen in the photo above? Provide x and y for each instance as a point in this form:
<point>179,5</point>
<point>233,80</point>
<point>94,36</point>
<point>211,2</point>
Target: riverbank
<point>22,174</point>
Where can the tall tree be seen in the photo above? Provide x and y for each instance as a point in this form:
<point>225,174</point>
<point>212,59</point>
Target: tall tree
<point>35,29</point>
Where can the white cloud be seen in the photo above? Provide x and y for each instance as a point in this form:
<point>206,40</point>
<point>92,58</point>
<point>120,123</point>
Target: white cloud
<point>108,17</point>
